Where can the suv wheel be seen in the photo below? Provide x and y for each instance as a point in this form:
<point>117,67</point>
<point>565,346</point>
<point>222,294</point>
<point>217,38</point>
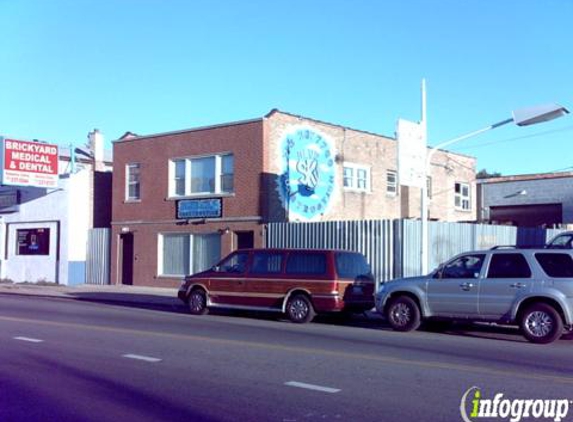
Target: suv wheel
<point>541,323</point>
<point>299,309</point>
<point>198,302</point>
<point>403,314</point>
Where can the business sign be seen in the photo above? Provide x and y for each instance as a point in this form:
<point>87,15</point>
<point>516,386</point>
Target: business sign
<point>200,208</point>
<point>308,174</point>
<point>411,138</point>
<point>27,163</point>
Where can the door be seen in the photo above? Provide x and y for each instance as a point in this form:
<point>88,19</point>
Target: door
<point>245,240</point>
<point>453,292</point>
<point>127,256</point>
<point>508,276</point>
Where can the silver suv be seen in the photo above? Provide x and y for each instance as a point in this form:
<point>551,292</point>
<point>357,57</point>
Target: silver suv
<point>532,288</point>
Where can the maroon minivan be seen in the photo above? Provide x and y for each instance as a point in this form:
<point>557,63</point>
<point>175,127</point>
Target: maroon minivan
<point>297,282</point>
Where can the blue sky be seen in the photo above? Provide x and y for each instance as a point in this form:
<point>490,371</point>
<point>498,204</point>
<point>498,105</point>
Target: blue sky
<point>150,66</point>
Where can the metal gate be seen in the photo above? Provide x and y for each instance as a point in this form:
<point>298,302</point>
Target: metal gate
<point>98,256</point>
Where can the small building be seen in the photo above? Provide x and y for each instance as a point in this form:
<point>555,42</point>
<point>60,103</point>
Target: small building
<point>183,199</point>
<point>44,230</point>
<point>527,200</point>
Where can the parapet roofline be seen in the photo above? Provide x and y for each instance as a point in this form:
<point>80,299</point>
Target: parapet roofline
<point>525,177</point>
<point>130,136</point>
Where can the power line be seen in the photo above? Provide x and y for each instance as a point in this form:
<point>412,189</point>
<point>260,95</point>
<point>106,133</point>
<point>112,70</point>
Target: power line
<point>535,135</point>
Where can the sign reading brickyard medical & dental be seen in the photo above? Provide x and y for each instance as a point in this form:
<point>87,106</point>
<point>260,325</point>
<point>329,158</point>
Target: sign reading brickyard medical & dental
<point>27,163</point>
<point>307,176</point>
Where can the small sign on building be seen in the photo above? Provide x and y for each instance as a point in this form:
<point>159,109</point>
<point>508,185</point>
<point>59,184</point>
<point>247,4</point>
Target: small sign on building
<point>411,153</point>
<point>27,163</point>
<point>200,208</point>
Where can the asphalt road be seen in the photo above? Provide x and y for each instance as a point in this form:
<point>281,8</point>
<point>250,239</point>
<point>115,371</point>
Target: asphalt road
<point>63,360</point>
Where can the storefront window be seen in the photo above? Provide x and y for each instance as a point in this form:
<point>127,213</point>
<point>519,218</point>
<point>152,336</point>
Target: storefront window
<point>185,253</point>
<point>33,241</point>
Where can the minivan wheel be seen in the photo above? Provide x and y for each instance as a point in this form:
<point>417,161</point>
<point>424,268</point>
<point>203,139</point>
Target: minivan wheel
<point>299,309</point>
<point>403,314</point>
<point>198,302</point>
<point>541,323</point>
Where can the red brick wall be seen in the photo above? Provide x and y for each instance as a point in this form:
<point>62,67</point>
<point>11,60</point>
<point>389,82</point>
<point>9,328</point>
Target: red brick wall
<point>155,213</point>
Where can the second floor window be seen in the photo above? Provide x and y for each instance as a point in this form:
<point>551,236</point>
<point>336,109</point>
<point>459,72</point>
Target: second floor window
<point>391,183</point>
<point>356,177</point>
<point>212,174</point>
<point>462,196</point>
<point>133,183</point>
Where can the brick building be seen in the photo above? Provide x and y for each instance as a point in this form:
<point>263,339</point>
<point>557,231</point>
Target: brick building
<point>183,199</point>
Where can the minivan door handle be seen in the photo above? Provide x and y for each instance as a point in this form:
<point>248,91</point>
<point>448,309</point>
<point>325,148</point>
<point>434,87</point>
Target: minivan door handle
<point>517,285</point>
<point>466,286</point>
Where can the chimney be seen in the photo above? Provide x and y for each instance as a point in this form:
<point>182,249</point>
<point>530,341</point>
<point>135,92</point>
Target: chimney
<point>95,143</point>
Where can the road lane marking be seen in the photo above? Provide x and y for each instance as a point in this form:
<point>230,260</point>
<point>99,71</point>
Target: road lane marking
<point>389,360</point>
<point>140,357</point>
<point>312,387</point>
<point>28,339</point>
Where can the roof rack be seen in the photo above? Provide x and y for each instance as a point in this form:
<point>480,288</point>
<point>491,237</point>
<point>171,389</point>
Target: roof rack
<point>503,247</point>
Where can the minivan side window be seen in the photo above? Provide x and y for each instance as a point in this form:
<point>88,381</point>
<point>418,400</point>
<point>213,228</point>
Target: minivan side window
<point>351,265</point>
<point>306,263</point>
<point>558,265</point>
<point>467,266</point>
<point>267,263</point>
<point>236,263</point>
<point>508,265</point>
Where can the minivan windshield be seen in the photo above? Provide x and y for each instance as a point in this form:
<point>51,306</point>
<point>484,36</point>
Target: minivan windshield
<point>352,265</point>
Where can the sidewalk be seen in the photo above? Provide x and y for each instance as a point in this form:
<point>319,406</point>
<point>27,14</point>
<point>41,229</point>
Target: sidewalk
<point>152,297</point>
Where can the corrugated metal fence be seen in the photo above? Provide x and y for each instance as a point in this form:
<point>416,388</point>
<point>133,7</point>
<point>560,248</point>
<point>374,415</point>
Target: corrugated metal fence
<point>98,256</point>
<point>393,246</point>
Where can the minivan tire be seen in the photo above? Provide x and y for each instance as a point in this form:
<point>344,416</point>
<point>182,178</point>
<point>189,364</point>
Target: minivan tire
<point>198,302</point>
<point>541,323</point>
<point>403,314</point>
<point>299,309</point>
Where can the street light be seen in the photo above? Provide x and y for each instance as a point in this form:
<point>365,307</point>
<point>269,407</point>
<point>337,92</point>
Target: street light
<point>521,117</point>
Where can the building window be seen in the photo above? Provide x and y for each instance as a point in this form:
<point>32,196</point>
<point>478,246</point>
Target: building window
<point>33,241</point>
<point>462,196</point>
<point>348,177</point>
<point>391,182</point>
<point>202,175</point>
<point>133,185</point>
<point>429,187</point>
<point>183,253</point>
<point>356,177</point>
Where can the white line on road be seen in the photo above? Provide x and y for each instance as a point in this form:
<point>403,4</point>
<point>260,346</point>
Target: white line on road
<point>31,340</point>
<point>312,387</point>
<point>143,358</point>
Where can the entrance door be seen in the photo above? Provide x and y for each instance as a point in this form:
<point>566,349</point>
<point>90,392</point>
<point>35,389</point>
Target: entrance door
<point>245,240</point>
<point>126,258</point>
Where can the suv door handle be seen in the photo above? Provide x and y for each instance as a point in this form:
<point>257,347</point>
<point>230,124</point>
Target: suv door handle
<point>517,285</point>
<point>466,286</point>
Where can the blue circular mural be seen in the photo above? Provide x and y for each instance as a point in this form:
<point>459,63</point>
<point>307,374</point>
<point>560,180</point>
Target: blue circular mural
<point>307,178</point>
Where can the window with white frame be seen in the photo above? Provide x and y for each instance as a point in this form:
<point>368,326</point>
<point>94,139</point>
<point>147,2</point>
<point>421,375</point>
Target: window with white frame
<point>207,175</point>
<point>133,182</point>
<point>391,182</point>
<point>356,177</point>
<point>183,253</point>
<point>429,187</point>
<point>462,196</point>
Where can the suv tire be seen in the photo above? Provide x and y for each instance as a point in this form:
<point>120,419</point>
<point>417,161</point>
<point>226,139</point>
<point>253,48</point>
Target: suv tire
<point>198,302</point>
<point>403,314</point>
<point>541,323</point>
<point>299,309</point>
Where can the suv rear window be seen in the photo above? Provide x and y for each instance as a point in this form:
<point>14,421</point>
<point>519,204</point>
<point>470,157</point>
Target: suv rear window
<point>306,263</point>
<point>352,265</point>
<point>558,265</point>
<point>508,265</point>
